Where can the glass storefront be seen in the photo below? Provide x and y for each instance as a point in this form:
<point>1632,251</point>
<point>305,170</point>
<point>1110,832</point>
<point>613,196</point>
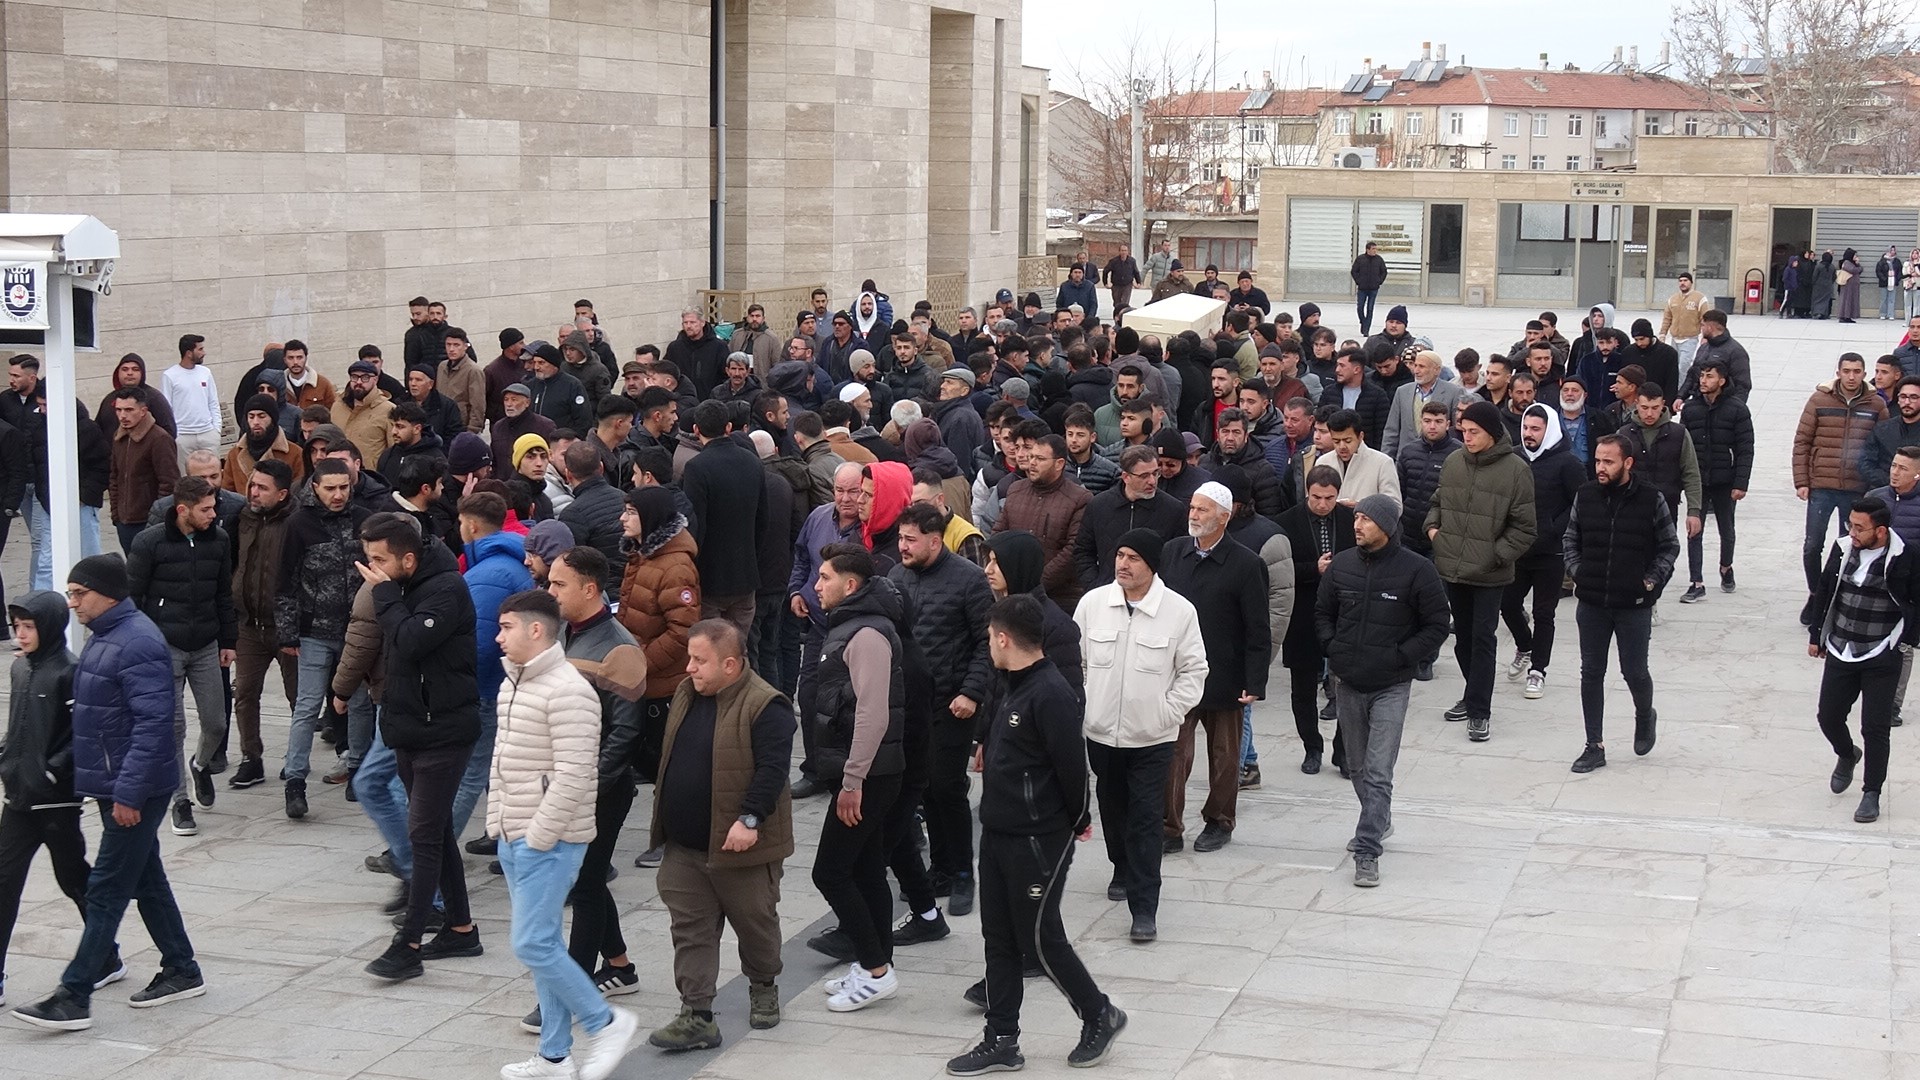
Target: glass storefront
<point>1629,255</point>
<point>1420,242</point>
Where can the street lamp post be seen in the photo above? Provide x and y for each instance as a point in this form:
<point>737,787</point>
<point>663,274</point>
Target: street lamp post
<point>1243,161</point>
<point>1136,197</point>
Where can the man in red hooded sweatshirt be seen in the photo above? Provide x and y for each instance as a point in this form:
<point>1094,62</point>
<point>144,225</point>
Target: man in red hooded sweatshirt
<point>885,489</point>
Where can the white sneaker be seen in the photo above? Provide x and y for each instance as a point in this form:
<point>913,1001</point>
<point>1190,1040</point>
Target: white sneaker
<point>601,1052</point>
<point>538,1068</point>
<point>861,990</point>
<point>1521,661</point>
<point>1536,684</point>
<point>833,984</point>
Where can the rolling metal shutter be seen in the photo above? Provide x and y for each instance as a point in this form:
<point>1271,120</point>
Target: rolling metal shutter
<point>1868,230</point>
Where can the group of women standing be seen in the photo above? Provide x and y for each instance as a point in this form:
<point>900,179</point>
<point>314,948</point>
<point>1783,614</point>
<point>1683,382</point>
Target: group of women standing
<point>1820,287</point>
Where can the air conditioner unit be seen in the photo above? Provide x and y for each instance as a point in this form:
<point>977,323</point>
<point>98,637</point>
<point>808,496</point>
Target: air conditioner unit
<point>1357,157</point>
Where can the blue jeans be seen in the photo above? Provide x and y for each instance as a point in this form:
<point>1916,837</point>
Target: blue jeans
<point>127,867</point>
<point>537,887</point>
<point>384,799</point>
<point>473,782</point>
<point>1888,302</point>
<point>1363,306</point>
<point>1822,504</point>
<point>317,661</point>
<point>361,715</point>
<point>1248,756</point>
<point>40,534</point>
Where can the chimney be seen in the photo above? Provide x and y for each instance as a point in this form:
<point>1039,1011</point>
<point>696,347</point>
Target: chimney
<point>1440,53</point>
<point>1426,50</point>
<point>1544,66</point>
<point>1617,50</point>
<point>1665,49</point>
<point>1633,57</point>
<point>1266,80</point>
<point>1367,62</point>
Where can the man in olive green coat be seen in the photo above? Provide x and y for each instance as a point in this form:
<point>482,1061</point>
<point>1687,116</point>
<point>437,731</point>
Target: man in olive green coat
<point>1481,522</point>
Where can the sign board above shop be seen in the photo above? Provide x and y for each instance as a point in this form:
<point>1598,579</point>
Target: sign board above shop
<point>1603,190</point>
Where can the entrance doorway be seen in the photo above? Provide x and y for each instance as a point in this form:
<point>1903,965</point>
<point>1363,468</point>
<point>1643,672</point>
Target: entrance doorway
<point>1598,265</point>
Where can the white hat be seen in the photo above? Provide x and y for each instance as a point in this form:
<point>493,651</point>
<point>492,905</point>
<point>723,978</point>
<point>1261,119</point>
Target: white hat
<point>1216,493</point>
<point>851,391</point>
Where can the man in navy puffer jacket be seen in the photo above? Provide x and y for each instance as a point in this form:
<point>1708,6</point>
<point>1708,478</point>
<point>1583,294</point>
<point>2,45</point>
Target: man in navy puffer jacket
<point>124,755</point>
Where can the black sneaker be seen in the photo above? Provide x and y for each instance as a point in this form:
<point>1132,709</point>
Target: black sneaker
<point>615,981</point>
<point>398,902</point>
<point>1457,713</point>
<point>1479,728</point>
<point>497,870</point>
<point>1173,845</point>
<point>202,782</point>
<point>383,864</point>
<point>941,883</point>
<point>400,961</point>
<point>249,774</point>
<point>996,1053</point>
<point>58,1012</point>
<point>482,845</point>
<point>914,930</point>
<point>1423,673</point>
<point>296,799</point>
<point>451,944</point>
<point>115,970</point>
<point>530,1023</point>
<point>807,787</point>
<point>1695,593</point>
<point>1310,764</point>
<point>1593,757</point>
<point>650,859</point>
<point>960,899</point>
<point>833,942</point>
<point>1096,1037</point>
<point>168,986</point>
<point>183,823</point>
<point>1644,733</point>
<point>976,995</point>
<point>436,921</point>
<point>1726,579</point>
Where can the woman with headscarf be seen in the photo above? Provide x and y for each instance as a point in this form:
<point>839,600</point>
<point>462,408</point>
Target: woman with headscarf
<point>1791,275</point>
<point>1849,270</point>
<point>1014,565</point>
<point>659,603</point>
<point>1910,282</point>
<point>926,449</point>
<point>1825,286</point>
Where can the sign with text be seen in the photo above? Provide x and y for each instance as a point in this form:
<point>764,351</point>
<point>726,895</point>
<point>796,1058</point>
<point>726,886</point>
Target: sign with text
<point>1609,190</point>
<point>23,295</point>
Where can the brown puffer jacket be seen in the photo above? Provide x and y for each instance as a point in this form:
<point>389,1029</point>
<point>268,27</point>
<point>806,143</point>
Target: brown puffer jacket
<point>1052,513</point>
<point>1833,434</point>
<point>360,659</point>
<point>660,602</point>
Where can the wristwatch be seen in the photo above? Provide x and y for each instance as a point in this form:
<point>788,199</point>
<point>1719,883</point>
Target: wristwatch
<point>751,821</point>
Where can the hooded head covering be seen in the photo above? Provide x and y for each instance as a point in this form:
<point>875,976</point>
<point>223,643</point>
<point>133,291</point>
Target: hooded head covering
<point>1021,559</point>
<point>47,611</point>
<point>658,515</point>
<point>1606,311</point>
<point>892,489</point>
<point>919,436</point>
<point>277,379</point>
<point>549,539</point>
<point>864,323</point>
<point>578,341</point>
<point>1551,439</point>
<point>789,377</point>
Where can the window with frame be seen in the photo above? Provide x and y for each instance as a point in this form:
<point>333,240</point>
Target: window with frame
<point>1691,126</point>
<point>1209,173</point>
<point>1538,163</point>
<point>1257,133</point>
<point>1539,123</point>
<point>1342,122</point>
<point>1573,162</point>
<point>1576,123</point>
<point>1513,123</point>
<point>1223,253</point>
<point>1509,161</point>
<point>1376,122</point>
<point>1253,175</point>
<point>1297,133</point>
<point>1213,130</point>
<point>1415,123</point>
<point>1650,125</point>
<point>1600,125</point>
<point>1456,122</point>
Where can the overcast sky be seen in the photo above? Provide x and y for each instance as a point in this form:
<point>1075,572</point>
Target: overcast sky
<point>1255,36</point>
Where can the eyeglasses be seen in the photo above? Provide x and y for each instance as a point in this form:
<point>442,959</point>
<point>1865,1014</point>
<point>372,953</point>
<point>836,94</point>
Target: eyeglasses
<point>1143,474</point>
<point>77,592</point>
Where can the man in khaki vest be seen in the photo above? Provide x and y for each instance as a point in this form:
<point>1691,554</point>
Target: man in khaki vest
<point>722,809</point>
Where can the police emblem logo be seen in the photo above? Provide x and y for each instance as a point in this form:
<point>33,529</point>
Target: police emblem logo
<point>22,292</point>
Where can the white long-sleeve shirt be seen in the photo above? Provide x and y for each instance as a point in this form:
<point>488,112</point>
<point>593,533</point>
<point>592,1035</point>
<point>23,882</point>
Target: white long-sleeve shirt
<point>194,398</point>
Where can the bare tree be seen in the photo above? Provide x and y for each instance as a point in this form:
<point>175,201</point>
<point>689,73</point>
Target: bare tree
<point>1816,62</point>
<point>1176,138</point>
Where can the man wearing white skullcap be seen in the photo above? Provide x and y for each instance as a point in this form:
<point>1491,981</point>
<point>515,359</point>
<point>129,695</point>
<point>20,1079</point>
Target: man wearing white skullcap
<point>1227,584</point>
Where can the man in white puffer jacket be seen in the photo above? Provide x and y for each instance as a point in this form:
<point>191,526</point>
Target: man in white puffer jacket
<point>540,807</point>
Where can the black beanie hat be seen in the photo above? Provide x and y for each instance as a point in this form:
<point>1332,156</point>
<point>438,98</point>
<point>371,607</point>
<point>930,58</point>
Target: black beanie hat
<point>104,574</point>
<point>261,403</point>
<point>1145,543</point>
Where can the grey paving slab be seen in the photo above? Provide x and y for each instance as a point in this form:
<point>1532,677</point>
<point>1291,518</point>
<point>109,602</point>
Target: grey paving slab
<point>1707,912</point>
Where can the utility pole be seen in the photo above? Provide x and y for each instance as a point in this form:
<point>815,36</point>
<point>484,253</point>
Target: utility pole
<point>1136,198</point>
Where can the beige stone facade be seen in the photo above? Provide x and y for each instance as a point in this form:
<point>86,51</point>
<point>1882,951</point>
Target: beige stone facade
<point>280,168</point>
<point>1691,184</point>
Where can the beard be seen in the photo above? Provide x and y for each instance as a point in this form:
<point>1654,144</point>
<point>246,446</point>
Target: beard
<point>352,396</point>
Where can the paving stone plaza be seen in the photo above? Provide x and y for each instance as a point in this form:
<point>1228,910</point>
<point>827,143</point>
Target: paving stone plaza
<point>1708,912</point>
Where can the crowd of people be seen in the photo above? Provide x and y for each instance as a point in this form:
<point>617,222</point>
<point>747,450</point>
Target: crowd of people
<point>1033,545</point>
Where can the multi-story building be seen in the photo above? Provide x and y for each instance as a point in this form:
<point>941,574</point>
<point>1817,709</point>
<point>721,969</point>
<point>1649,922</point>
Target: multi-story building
<point>1213,144</point>
<point>1431,115</point>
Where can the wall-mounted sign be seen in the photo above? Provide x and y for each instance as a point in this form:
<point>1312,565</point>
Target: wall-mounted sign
<point>23,295</point>
<point>1609,190</point>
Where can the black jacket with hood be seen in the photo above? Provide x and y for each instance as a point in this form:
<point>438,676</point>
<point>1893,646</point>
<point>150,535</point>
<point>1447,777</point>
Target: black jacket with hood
<point>427,622</point>
<point>1557,478</point>
<point>36,759</point>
